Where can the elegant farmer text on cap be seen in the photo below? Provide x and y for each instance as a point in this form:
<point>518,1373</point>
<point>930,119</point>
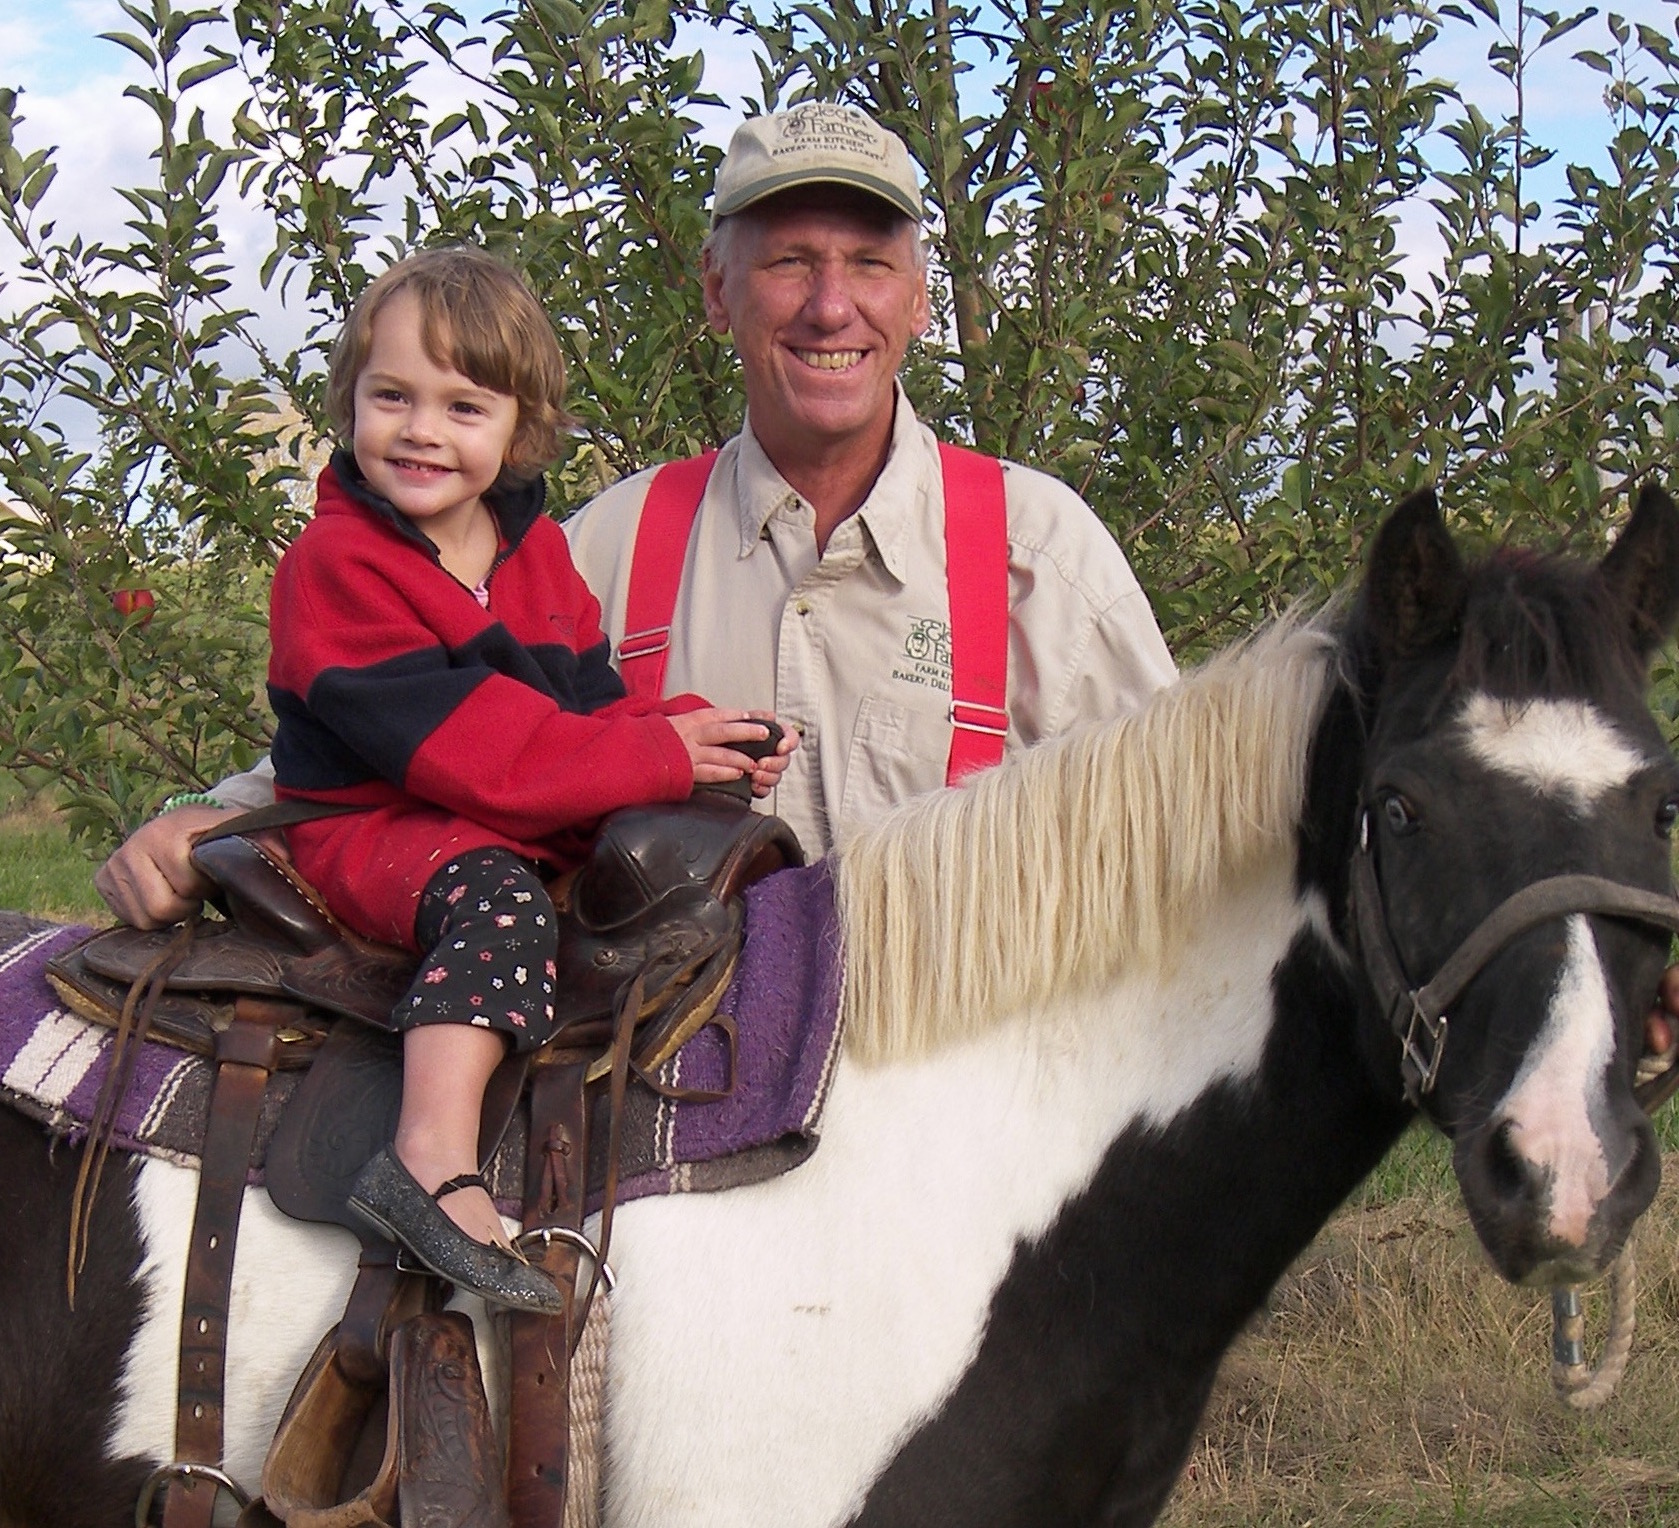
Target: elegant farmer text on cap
<point>814,144</point>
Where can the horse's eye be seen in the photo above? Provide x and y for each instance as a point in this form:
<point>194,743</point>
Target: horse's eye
<point>1398,812</point>
<point>1667,814</point>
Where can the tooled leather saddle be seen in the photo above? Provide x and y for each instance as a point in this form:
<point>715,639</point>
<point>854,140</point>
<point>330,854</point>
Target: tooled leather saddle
<point>649,929</point>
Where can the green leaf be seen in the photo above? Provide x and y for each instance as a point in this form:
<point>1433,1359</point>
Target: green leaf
<point>138,46</point>
<point>35,185</point>
<point>208,70</point>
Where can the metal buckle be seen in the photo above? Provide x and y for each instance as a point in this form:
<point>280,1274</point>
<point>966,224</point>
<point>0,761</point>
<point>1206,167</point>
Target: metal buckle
<point>1424,1064</point>
<point>546,1236</point>
<point>220,1479</point>
<point>970,716</point>
<point>644,644</point>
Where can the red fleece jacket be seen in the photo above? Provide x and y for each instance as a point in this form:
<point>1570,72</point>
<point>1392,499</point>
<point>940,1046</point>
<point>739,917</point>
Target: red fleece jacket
<point>455,726</point>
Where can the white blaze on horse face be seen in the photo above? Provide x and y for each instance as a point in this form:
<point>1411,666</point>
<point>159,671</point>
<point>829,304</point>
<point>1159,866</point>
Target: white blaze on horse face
<point>1559,1090</point>
<point>1558,747</point>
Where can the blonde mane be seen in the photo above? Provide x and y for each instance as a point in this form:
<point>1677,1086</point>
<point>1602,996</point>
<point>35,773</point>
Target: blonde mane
<point>1083,855</point>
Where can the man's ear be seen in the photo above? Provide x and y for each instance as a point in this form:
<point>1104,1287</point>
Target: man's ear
<point>711,284</point>
<point>922,316</point>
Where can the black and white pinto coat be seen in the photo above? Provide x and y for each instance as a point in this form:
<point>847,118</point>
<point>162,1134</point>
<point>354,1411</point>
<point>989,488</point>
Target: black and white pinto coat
<point>1110,1064</point>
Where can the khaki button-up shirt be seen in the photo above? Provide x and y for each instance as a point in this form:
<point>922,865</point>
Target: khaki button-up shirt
<point>852,647</point>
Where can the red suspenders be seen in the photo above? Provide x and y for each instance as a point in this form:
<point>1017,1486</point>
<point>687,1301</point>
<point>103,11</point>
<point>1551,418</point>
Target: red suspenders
<point>976,553</point>
<point>977,571</point>
<point>661,547</point>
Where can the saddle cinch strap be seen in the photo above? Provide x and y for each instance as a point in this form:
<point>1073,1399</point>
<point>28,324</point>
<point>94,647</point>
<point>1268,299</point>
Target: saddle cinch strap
<point>648,931</point>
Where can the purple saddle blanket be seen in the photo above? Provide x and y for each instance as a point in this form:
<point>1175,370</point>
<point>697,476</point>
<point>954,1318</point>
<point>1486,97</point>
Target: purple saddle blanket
<point>783,997</point>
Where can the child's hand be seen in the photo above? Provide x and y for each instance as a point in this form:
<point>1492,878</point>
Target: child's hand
<point>767,773</point>
<point>706,735</point>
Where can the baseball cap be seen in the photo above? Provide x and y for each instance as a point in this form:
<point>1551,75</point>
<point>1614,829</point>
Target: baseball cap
<point>817,143</point>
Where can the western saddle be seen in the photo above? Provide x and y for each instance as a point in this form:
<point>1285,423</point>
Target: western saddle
<point>388,1424</point>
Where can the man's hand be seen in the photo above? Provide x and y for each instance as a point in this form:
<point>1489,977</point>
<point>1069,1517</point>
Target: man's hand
<point>150,881</point>
<point>1661,1025</point>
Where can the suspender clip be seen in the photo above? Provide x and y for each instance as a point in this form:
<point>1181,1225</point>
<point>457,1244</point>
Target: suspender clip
<point>644,644</point>
<point>970,716</point>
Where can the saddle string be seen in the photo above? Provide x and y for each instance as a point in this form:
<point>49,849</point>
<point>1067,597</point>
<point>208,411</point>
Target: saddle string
<point>127,1043</point>
<point>623,1065</point>
<point>650,1079</point>
<point>623,1041</point>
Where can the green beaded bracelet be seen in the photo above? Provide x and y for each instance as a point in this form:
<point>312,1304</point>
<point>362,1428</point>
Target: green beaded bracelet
<point>189,798</point>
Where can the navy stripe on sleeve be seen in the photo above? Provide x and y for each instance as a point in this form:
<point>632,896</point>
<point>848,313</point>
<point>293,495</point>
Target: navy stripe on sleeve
<point>306,756</point>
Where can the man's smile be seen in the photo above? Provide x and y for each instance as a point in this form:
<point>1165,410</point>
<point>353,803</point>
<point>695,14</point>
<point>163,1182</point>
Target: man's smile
<point>831,360</point>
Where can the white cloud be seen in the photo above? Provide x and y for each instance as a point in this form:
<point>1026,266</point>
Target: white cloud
<point>101,140</point>
<point>19,40</point>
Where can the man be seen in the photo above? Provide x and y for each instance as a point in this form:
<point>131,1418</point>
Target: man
<point>815,581</point>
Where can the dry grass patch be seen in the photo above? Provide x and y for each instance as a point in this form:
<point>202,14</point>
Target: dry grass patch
<point>1397,1380</point>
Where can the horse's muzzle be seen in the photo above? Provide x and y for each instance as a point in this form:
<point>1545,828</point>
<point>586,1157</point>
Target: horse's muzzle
<point>1538,1231</point>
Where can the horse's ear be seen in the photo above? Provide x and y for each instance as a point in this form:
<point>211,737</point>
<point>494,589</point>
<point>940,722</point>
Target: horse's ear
<point>1642,570</point>
<point>1415,586</point>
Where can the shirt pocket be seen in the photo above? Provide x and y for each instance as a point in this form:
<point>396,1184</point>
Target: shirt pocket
<point>896,752</point>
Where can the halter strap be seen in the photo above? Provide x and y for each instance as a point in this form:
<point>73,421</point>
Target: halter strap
<point>1417,1015</point>
<point>977,576</point>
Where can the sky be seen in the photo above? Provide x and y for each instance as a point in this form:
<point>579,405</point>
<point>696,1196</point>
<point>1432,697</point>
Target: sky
<point>72,85</point>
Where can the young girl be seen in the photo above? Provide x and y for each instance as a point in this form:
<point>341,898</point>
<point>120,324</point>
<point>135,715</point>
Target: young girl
<point>438,663</point>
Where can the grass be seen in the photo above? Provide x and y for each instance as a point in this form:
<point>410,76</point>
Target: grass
<point>41,871</point>
<point>1395,1381</point>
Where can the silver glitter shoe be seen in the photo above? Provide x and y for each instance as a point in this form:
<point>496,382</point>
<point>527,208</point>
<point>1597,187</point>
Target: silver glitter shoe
<point>386,1196</point>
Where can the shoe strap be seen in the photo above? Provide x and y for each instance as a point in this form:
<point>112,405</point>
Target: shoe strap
<point>460,1180</point>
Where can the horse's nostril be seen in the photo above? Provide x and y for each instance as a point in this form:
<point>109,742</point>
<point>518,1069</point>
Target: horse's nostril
<point>1507,1173</point>
<point>1640,1174</point>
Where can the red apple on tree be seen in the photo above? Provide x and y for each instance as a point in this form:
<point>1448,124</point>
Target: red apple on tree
<point>134,602</point>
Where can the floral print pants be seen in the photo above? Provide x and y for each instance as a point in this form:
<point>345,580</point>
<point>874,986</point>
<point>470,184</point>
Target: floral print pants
<point>488,930</point>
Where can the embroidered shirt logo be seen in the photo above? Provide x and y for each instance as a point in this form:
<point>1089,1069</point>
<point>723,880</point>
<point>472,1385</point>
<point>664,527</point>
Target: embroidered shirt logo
<point>926,654</point>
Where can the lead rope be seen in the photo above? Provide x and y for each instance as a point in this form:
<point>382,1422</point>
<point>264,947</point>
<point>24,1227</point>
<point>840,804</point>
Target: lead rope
<point>1578,1385</point>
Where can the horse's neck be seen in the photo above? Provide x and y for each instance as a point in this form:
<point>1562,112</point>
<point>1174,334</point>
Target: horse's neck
<point>1172,1143</point>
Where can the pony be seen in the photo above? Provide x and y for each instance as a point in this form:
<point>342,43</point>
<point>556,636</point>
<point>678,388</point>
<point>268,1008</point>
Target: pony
<point>1118,1041</point>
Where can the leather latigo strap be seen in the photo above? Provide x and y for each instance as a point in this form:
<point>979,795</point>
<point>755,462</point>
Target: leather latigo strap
<point>539,1407</point>
<point>556,1177</point>
<point>245,1056</point>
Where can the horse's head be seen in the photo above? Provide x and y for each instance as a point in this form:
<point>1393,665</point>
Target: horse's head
<point>1512,756</point>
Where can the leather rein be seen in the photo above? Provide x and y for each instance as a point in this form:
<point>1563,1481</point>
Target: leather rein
<point>1417,1015</point>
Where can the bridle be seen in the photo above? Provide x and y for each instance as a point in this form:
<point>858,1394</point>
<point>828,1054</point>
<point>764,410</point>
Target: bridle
<point>1417,1014</point>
